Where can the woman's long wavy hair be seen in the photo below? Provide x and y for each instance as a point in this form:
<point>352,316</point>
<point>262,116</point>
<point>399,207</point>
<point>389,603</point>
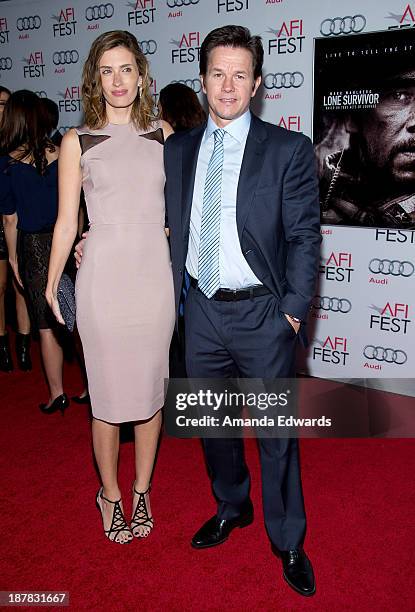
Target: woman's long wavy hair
<point>92,94</point>
<point>24,130</point>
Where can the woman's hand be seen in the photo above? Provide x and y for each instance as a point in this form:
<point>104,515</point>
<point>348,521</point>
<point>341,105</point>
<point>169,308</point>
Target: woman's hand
<point>52,300</point>
<point>79,250</point>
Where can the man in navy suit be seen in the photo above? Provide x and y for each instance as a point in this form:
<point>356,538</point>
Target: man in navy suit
<point>243,211</point>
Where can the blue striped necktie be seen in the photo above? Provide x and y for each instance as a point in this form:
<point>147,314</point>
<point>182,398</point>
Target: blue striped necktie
<point>208,268</point>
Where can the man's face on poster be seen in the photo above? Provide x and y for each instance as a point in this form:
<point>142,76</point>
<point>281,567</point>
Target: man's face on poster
<point>387,133</point>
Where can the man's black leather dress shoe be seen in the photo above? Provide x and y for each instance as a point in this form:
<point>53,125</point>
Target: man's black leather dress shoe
<point>298,571</point>
<point>216,531</point>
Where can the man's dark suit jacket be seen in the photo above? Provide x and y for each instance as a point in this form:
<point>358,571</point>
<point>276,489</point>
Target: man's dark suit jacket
<point>277,210</point>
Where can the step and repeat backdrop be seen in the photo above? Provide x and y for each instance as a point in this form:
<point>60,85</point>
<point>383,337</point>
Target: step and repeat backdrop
<point>317,79</point>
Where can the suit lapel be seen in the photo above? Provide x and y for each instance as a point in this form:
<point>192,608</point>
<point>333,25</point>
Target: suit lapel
<point>251,167</point>
<point>190,152</point>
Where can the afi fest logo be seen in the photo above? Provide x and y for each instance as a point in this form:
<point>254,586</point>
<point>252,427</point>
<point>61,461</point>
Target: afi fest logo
<point>188,48</point>
<point>290,122</point>
<point>388,235</point>
<point>332,350</point>
<point>34,67</point>
<point>70,101</point>
<point>65,22</point>
<point>231,6</point>
<point>4,31</point>
<point>405,20</point>
<point>393,317</point>
<point>288,38</point>
<point>142,12</point>
<point>337,267</point>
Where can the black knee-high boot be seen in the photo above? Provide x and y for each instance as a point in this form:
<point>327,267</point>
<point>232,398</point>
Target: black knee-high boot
<point>23,351</point>
<point>6,363</point>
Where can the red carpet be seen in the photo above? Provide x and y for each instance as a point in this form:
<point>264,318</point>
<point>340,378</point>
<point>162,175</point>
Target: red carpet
<point>359,496</point>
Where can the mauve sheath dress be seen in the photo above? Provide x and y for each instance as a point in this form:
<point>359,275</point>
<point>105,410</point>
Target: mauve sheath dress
<point>124,287</point>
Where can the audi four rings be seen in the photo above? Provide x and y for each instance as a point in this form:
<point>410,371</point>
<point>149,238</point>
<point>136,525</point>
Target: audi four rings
<point>335,304</point>
<point>99,11</point>
<point>6,63</point>
<point>148,47</point>
<point>41,94</point>
<point>195,84</point>
<point>65,57</point>
<point>392,266</point>
<point>389,355</point>
<point>283,80</point>
<point>179,3</point>
<point>28,23</point>
<point>343,25</point>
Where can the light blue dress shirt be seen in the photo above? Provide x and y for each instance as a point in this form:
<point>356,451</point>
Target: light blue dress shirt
<point>234,270</point>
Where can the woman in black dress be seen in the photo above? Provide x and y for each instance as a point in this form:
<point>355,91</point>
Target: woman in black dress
<point>29,203</point>
<point>23,322</point>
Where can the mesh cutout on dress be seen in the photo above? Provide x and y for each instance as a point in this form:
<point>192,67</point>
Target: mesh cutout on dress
<point>156,135</point>
<point>87,141</point>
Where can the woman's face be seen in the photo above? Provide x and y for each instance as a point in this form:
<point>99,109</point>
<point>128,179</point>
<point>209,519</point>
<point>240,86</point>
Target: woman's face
<point>120,78</point>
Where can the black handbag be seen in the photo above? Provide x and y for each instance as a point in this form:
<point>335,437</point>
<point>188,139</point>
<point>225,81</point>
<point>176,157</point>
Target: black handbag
<point>66,301</point>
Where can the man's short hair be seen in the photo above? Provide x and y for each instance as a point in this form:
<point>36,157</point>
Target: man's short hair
<point>236,37</point>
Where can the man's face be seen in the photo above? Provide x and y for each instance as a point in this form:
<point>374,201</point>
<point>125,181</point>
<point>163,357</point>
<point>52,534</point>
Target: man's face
<point>229,83</point>
<point>389,132</point>
<point>3,99</point>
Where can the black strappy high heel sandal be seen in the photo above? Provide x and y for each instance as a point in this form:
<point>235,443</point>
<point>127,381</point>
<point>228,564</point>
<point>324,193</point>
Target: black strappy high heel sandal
<point>118,523</point>
<point>140,517</point>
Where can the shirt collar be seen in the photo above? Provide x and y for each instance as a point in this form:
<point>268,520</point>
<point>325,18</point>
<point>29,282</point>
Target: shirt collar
<point>238,128</point>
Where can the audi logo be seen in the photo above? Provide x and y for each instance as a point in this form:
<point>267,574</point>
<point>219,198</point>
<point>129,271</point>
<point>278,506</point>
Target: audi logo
<point>65,57</point>
<point>99,11</point>
<point>195,84</point>
<point>64,128</point>
<point>148,47</point>
<point>343,25</point>
<point>6,63</point>
<point>178,3</point>
<point>335,304</point>
<point>389,355</point>
<point>41,94</point>
<point>283,80</point>
<point>28,23</point>
<point>391,266</point>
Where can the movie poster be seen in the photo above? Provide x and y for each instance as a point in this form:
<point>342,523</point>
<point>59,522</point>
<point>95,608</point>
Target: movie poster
<point>364,128</point>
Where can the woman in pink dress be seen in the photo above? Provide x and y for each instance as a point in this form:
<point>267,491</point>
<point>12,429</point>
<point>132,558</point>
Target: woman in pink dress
<point>124,289</point>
